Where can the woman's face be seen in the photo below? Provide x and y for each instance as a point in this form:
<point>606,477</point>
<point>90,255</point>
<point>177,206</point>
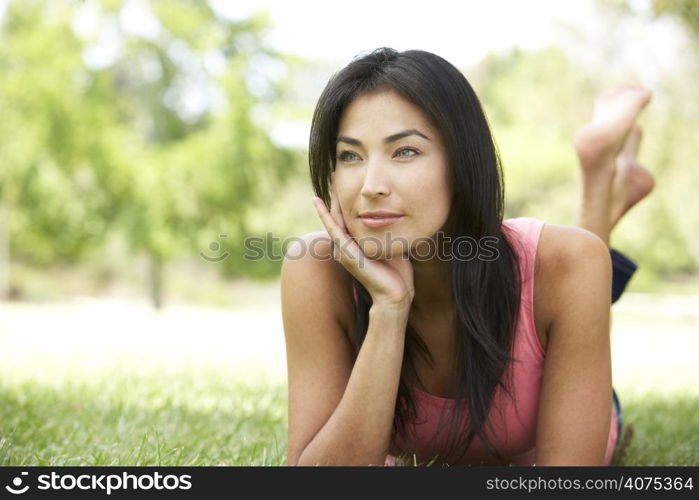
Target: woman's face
<point>390,158</point>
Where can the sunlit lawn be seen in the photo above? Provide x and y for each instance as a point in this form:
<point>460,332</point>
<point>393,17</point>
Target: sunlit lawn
<point>111,383</point>
<point>114,383</point>
<point>181,419</point>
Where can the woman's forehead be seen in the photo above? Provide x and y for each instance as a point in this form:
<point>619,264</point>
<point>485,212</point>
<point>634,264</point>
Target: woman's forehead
<point>384,113</point>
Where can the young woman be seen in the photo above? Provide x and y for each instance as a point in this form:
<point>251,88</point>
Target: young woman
<point>403,341</point>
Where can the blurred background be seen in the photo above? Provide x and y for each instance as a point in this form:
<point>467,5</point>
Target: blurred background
<point>153,169</point>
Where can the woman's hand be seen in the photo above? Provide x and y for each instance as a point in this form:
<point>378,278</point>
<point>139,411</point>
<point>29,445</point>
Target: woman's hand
<point>389,282</point>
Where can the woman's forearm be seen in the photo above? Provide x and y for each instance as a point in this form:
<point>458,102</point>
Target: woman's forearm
<point>359,430</point>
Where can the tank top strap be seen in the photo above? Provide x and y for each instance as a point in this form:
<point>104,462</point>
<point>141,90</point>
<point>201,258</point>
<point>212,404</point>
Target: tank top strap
<point>524,233</point>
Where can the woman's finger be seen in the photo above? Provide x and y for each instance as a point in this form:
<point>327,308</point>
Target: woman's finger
<point>377,277</point>
<point>345,249</point>
<point>335,209</point>
<point>326,218</point>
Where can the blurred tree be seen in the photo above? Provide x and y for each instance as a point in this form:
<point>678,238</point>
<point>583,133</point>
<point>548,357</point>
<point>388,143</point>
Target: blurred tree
<point>685,10</point>
<point>203,167</point>
<point>535,101</point>
<point>57,188</point>
<point>135,117</point>
<point>666,236</point>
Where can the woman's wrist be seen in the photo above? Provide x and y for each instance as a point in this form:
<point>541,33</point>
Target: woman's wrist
<point>388,321</point>
<point>390,309</point>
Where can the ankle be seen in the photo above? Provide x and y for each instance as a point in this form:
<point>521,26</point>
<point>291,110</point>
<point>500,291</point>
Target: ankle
<point>594,147</point>
<point>594,216</point>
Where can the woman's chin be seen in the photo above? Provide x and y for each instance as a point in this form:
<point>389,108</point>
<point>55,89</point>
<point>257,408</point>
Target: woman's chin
<point>375,251</point>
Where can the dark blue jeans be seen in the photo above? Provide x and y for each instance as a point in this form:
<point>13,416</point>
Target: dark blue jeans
<point>622,270</point>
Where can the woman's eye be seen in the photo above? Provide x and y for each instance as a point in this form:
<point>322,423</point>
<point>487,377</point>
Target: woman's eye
<point>343,156</point>
<point>407,156</point>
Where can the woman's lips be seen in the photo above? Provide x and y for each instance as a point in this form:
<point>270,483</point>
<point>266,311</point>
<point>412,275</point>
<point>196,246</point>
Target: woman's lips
<point>380,222</point>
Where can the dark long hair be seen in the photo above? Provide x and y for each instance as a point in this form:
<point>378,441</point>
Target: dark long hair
<point>486,293</point>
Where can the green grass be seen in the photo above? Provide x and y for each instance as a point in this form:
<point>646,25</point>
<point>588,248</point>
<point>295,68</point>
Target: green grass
<point>100,384</point>
<point>207,419</point>
<point>666,429</point>
<point>122,420</point>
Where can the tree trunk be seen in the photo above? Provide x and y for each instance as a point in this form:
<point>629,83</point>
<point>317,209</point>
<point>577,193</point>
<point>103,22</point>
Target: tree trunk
<point>156,281</point>
<point>4,252</point>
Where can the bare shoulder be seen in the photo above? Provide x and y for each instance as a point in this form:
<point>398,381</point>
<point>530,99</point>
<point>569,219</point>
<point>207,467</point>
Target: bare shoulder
<point>563,248</point>
<point>565,255</point>
<point>310,273</point>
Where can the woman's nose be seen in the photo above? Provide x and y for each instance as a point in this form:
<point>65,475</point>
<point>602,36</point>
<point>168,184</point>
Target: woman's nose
<point>376,180</point>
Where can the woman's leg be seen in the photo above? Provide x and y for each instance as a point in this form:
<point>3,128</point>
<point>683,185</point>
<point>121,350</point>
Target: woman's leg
<point>613,182</point>
<point>612,179</point>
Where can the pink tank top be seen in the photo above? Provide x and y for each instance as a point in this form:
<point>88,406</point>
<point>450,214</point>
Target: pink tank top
<point>512,421</point>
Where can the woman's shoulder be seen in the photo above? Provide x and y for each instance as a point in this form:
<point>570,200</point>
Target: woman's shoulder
<point>564,248</point>
<point>563,252</point>
<point>303,246</point>
<point>311,274</point>
<point>556,245</point>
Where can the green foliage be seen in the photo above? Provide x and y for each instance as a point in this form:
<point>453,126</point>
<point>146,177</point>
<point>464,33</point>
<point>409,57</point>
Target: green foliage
<point>536,100</point>
<point>49,173</point>
<point>157,143</point>
<point>685,10</point>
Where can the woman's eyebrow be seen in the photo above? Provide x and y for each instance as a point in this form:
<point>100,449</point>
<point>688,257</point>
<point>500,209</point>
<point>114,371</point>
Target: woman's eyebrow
<point>387,140</point>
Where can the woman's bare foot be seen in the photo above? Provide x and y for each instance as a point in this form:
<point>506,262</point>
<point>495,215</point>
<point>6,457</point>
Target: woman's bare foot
<point>597,145</point>
<point>632,182</point>
<point>613,117</point>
